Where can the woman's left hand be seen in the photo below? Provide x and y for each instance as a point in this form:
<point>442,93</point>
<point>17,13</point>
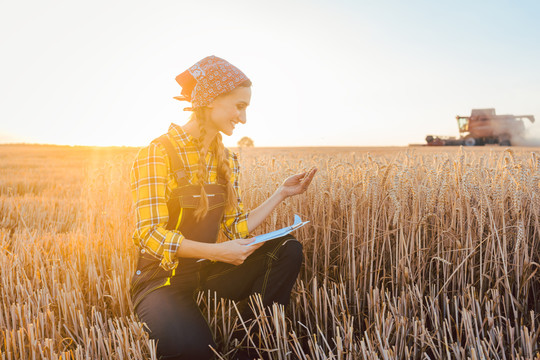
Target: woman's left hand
<point>297,184</point>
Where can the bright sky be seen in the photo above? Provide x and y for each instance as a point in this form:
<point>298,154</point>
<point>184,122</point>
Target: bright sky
<point>325,72</point>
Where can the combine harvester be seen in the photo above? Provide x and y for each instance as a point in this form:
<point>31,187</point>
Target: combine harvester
<point>484,127</point>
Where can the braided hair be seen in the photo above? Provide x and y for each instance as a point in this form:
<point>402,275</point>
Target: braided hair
<point>202,209</point>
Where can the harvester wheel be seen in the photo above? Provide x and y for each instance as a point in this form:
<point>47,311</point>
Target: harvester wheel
<point>504,140</point>
<point>469,141</point>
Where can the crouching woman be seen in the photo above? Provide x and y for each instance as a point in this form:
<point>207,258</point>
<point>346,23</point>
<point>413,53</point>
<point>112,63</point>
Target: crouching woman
<point>186,190</point>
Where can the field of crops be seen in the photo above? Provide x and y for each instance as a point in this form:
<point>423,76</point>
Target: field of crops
<point>416,253</point>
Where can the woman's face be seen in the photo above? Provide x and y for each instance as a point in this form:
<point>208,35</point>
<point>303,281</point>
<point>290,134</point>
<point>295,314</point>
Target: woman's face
<point>228,110</point>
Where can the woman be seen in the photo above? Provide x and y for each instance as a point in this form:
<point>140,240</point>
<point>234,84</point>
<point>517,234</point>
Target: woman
<point>185,188</point>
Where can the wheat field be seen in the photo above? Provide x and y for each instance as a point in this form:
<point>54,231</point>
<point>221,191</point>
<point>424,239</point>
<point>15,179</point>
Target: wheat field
<point>411,253</point>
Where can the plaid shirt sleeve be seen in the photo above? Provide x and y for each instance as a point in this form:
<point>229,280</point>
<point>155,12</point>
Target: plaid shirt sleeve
<point>234,222</point>
<point>149,177</point>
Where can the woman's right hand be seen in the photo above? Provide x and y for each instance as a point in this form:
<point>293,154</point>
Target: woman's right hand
<point>235,251</point>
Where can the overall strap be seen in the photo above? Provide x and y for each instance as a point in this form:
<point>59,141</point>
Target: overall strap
<point>177,166</point>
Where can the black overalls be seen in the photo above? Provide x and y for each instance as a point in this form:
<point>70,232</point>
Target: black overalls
<point>165,301</point>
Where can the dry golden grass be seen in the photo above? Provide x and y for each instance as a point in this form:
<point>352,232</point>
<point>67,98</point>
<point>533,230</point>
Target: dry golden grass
<point>411,253</point>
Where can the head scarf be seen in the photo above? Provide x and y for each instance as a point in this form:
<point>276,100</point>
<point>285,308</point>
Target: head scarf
<point>207,79</point>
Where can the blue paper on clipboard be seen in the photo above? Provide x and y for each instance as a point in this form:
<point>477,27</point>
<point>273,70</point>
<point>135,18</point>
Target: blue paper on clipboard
<point>298,223</point>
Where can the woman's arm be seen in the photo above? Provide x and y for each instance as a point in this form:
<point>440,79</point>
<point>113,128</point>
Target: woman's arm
<point>149,177</point>
<point>257,216</point>
<point>293,185</point>
<point>232,252</point>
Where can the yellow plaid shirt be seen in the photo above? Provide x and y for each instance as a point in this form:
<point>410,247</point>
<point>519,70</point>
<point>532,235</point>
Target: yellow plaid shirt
<point>151,186</point>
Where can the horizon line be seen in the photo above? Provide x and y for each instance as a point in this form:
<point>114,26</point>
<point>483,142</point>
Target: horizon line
<point>234,147</point>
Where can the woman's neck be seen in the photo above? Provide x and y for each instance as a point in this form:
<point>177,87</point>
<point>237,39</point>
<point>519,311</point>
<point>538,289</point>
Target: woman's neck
<point>192,128</point>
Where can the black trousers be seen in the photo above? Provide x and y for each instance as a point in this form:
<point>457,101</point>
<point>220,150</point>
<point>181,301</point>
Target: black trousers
<point>174,318</point>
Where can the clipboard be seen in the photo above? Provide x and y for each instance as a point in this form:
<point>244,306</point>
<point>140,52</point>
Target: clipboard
<point>298,223</point>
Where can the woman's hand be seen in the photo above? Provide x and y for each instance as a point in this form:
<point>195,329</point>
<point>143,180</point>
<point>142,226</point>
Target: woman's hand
<point>293,185</point>
<point>297,184</point>
<point>235,251</point>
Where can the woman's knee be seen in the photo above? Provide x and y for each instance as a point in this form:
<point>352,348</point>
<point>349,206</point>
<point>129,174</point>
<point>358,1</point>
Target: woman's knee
<point>292,252</point>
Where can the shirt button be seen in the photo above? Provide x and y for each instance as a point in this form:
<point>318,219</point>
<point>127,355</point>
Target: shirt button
<point>143,251</point>
<point>138,272</point>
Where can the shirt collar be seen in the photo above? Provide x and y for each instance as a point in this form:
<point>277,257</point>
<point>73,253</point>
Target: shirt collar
<point>180,136</point>
<point>183,138</point>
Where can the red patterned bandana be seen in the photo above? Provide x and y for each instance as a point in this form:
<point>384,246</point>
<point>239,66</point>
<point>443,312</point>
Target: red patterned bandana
<point>207,79</point>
